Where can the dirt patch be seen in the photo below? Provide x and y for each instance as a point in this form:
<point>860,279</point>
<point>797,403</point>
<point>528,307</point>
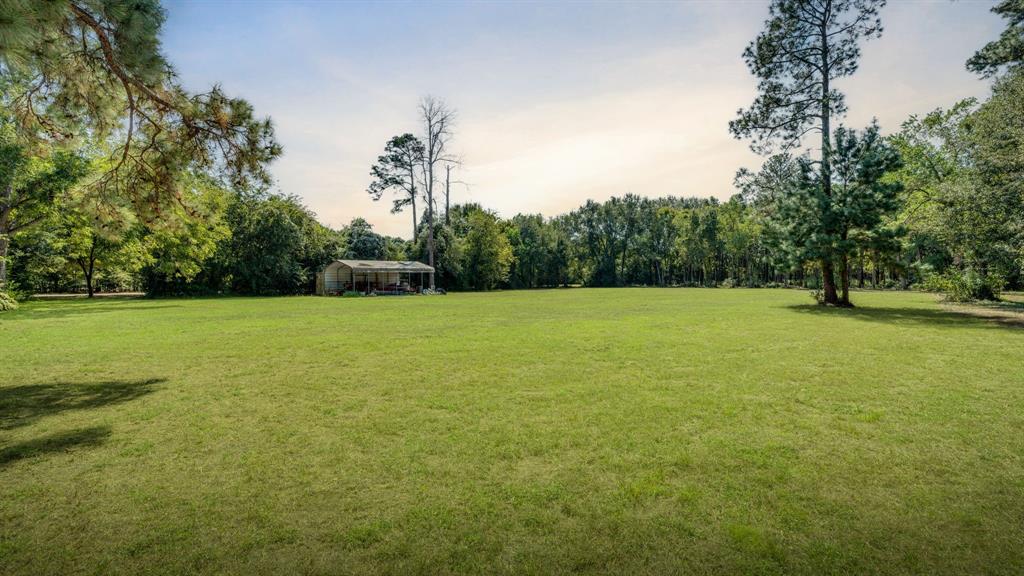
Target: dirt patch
<point>1008,312</point>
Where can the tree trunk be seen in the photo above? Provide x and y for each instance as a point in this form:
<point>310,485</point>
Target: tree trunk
<point>89,267</point>
<point>828,283</point>
<point>430,224</point>
<point>412,198</point>
<point>447,196</point>
<point>87,271</point>
<point>4,245</point>
<point>5,238</point>
<point>415,223</point>
<point>875,270</point>
<point>844,279</point>
<point>622,267</point>
<point>828,280</point>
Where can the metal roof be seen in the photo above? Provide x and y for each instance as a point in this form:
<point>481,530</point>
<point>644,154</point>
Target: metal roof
<point>385,265</point>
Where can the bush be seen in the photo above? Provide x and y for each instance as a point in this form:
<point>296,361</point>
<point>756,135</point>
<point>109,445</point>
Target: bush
<point>934,282</point>
<point>818,294</point>
<point>7,302</point>
<point>988,287</point>
<point>965,286</point>
<point>728,283</point>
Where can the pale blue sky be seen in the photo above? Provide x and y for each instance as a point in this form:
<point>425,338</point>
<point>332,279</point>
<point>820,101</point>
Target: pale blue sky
<point>557,102</point>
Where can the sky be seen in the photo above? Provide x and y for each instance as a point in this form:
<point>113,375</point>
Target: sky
<point>557,102</point>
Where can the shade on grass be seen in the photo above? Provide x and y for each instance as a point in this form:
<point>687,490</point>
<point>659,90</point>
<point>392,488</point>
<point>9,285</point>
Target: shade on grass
<point>629,431</point>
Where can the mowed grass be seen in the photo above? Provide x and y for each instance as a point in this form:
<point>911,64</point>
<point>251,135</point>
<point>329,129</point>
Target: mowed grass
<point>630,431</point>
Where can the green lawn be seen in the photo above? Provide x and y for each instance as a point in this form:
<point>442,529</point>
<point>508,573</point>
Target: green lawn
<point>595,431</point>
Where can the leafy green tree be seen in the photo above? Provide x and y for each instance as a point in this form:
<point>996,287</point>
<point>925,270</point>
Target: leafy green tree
<point>39,261</point>
<point>527,238</point>
<point>557,271</point>
<point>596,235</point>
<point>760,191</point>
<point>861,197</point>
<point>99,241</point>
<point>488,254</point>
<point>997,136</point>
<point>1008,50</point>
<point>395,248</point>
<point>697,244</point>
<point>30,188</point>
<point>180,250</point>
<point>806,45</point>
<point>628,209</point>
<point>738,234</point>
<point>262,255</point>
<point>962,173</point>
<point>449,251</point>
<point>363,243</point>
<point>656,243</point>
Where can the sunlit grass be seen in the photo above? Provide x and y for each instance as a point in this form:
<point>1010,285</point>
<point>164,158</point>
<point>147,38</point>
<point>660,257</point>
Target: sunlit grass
<point>594,431</point>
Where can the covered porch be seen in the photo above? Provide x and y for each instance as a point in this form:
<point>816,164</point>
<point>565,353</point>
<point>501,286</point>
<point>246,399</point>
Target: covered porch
<point>374,276</point>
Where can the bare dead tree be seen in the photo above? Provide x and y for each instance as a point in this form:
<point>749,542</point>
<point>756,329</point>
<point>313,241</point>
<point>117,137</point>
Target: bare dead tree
<point>438,123</point>
<point>447,194</point>
<point>448,182</point>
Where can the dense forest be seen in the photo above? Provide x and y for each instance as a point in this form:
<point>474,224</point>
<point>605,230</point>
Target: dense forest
<point>115,178</point>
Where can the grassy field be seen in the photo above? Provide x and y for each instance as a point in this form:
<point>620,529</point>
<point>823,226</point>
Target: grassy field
<point>593,431</point>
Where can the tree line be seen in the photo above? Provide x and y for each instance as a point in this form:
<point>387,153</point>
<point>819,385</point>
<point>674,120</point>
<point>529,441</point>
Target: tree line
<point>113,177</point>
<point>941,202</point>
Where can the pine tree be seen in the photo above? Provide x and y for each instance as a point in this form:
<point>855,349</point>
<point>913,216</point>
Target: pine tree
<point>805,46</point>
<point>94,67</point>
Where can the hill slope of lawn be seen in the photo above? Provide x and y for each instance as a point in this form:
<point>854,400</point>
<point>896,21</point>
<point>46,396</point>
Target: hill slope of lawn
<point>590,431</point>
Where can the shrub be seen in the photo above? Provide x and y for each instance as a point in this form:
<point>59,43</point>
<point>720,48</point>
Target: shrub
<point>991,287</point>
<point>818,294</point>
<point>965,286</point>
<point>7,302</point>
<point>728,283</point>
<point>934,282</point>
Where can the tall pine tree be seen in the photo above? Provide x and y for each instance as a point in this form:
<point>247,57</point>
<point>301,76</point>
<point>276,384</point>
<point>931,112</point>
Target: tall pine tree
<point>805,46</point>
<point>94,68</point>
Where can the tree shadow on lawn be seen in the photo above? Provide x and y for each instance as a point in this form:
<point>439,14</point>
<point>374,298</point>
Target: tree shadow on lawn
<point>23,405</point>
<point>40,310</point>
<point>59,442</point>
<point>960,317</point>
